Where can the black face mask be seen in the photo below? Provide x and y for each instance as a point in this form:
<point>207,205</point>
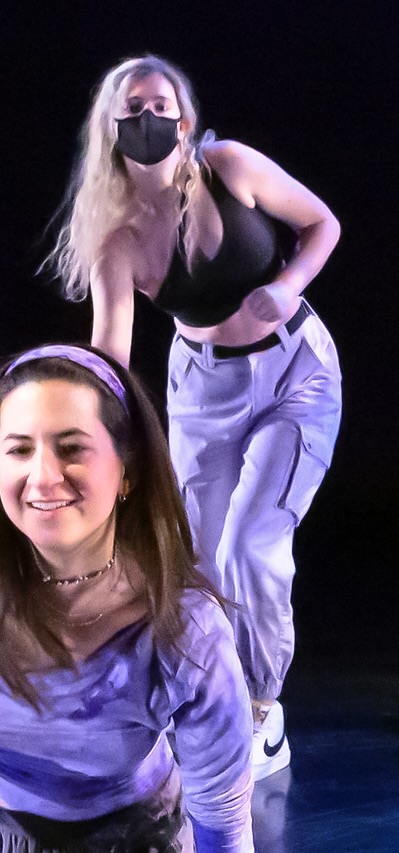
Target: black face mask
<point>147,139</point>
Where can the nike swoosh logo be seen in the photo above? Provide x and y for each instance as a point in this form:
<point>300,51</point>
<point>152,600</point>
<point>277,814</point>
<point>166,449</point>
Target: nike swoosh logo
<point>270,751</point>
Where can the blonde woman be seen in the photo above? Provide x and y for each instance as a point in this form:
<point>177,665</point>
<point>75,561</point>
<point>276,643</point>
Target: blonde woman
<point>254,392</point>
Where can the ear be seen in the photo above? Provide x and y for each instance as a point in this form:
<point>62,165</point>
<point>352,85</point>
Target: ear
<point>124,490</point>
<point>127,483</point>
<point>183,129</point>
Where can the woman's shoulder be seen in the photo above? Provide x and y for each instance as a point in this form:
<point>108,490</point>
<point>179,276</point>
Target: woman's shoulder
<point>238,165</point>
<point>203,619</point>
<point>222,153</point>
<point>119,237</point>
<point>117,246</point>
<point>205,646</point>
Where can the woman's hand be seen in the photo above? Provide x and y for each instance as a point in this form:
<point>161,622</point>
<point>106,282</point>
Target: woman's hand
<point>272,303</point>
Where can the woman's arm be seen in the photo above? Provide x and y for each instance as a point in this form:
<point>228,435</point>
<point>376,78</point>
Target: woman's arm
<point>111,283</point>
<point>256,179</point>
<point>214,727</point>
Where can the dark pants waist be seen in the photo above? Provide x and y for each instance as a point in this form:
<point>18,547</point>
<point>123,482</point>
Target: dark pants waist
<point>272,340</point>
<point>137,828</point>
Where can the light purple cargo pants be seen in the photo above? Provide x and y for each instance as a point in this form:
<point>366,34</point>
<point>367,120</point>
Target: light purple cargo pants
<point>251,439</point>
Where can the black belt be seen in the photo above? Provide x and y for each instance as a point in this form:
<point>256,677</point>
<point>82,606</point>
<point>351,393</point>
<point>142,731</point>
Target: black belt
<point>269,341</point>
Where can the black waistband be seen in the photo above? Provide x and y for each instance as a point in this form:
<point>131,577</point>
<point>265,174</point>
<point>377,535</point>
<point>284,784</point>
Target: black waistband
<point>272,340</point>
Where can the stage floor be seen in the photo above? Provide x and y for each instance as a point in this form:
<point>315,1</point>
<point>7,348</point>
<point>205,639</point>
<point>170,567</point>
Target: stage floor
<point>341,793</point>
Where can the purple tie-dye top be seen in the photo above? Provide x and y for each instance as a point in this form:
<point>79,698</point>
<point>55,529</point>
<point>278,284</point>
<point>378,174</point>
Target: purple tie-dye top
<point>97,745</point>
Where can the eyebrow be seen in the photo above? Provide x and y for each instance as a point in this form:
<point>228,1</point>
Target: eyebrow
<point>153,98</point>
<point>17,436</point>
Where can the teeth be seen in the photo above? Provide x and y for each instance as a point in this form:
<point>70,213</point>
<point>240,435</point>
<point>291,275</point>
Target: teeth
<point>48,505</point>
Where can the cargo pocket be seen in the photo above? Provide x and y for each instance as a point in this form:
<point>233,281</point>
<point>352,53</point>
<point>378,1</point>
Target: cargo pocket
<point>310,463</point>
<point>179,370</point>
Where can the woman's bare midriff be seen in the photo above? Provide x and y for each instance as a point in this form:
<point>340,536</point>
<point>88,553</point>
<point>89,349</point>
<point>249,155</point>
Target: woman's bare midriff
<point>240,329</point>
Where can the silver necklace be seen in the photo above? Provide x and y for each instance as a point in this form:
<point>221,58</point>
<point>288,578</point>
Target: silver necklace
<point>49,577</point>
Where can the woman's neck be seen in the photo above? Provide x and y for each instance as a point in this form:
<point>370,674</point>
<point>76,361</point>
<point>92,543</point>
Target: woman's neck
<point>154,184</point>
<point>86,557</point>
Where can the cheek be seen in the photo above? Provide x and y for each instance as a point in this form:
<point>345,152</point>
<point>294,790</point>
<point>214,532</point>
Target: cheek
<point>106,482</point>
<point>10,498</point>
<point>10,487</point>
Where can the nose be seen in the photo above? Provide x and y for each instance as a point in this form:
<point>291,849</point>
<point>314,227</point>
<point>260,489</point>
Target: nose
<point>45,469</point>
<point>141,109</point>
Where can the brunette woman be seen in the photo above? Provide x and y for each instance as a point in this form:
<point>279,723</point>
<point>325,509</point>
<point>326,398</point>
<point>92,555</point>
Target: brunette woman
<point>107,632</point>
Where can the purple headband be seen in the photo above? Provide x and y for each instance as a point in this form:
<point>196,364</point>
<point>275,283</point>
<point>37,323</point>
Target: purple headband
<point>85,358</point>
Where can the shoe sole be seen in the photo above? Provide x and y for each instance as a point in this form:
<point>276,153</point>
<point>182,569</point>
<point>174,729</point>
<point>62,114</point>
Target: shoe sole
<point>272,765</point>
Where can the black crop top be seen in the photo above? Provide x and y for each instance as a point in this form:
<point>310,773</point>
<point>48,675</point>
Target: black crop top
<point>250,255</point>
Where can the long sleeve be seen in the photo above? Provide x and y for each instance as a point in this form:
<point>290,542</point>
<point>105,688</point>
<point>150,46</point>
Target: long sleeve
<point>214,735</point>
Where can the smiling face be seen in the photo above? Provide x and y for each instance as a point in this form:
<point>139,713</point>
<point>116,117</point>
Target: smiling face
<point>59,472</point>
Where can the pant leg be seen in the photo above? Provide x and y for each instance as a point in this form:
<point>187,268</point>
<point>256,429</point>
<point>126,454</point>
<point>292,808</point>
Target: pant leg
<point>251,440</point>
<point>209,409</point>
<point>286,456</point>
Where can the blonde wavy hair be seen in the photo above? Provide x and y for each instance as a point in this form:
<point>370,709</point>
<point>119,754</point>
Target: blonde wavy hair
<point>99,197</point>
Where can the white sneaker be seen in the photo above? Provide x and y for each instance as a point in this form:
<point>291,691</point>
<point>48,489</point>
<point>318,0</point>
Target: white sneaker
<point>270,749</point>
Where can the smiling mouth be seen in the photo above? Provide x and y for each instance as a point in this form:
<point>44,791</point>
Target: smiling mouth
<point>47,506</point>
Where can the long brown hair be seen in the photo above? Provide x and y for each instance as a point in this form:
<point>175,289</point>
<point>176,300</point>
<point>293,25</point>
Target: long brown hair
<point>151,525</point>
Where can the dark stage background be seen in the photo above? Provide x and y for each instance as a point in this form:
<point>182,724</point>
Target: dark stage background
<point>313,85</point>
